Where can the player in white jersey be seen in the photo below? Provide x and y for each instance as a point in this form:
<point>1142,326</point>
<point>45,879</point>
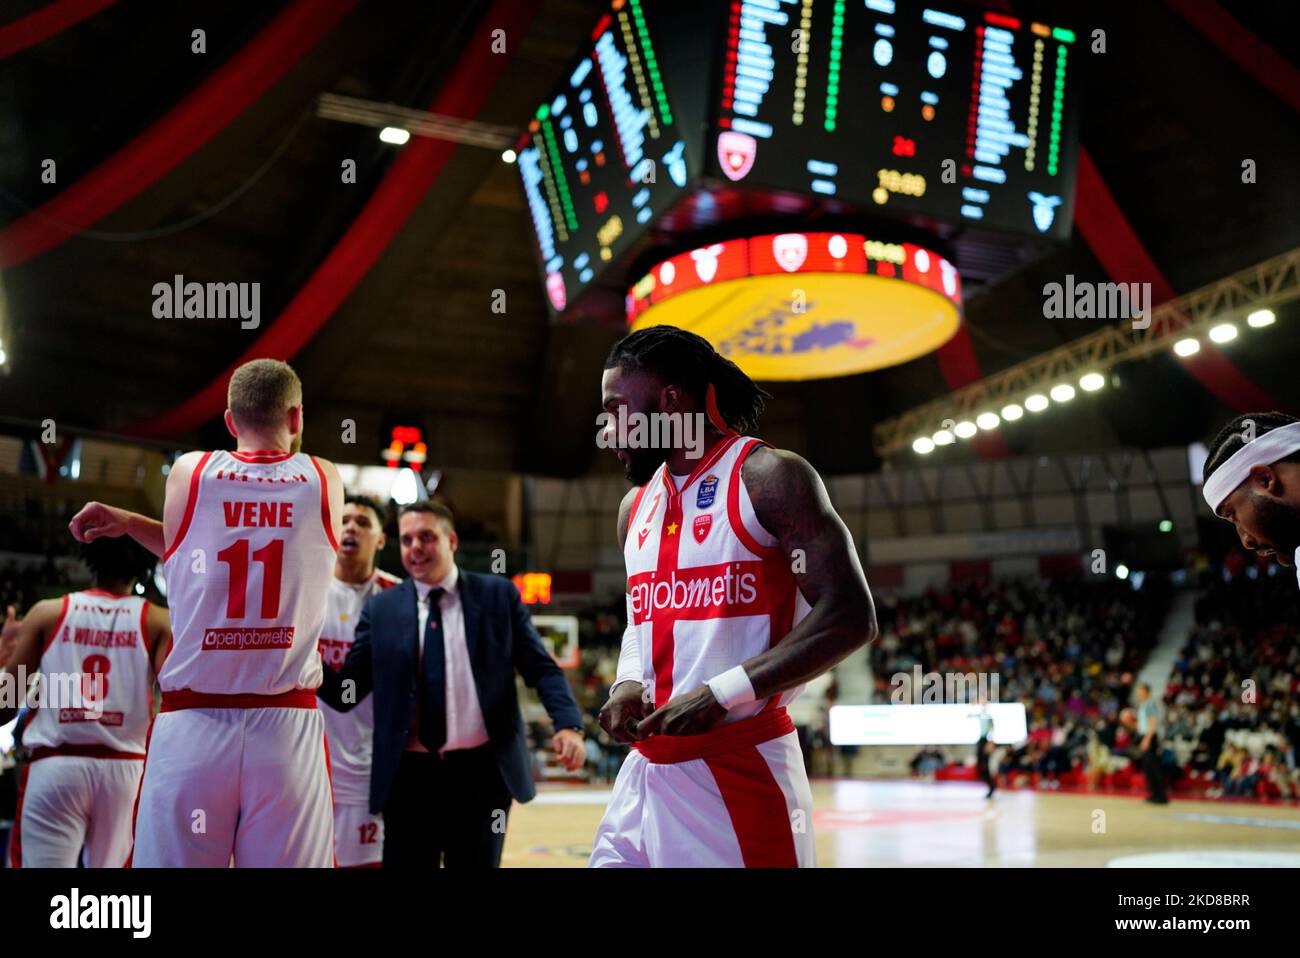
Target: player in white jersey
<point>97,653</point>
<point>358,835</point>
<point>237,767</point>
<point>1251,479</point>
<point>743,584</point>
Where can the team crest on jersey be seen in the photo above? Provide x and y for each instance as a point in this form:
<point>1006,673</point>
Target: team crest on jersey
<point>708,492</point>
<point>702,525</point>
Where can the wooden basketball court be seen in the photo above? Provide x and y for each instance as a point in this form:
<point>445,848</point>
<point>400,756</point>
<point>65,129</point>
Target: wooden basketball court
<point>906,823</point>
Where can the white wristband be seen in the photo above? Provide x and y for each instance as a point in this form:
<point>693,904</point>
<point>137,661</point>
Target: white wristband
<point>732,688</point>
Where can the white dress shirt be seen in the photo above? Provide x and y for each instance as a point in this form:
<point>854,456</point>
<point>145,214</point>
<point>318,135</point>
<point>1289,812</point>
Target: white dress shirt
<point>465,725</point>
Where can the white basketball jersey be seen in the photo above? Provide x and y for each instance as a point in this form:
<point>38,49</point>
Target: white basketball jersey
<point>104,634</point>
<point>350,734</point>
<point>708,588</point>
<point>248,574</point>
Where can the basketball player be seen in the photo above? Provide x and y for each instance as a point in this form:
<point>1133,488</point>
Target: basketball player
<point>743,584</point>
<point>237,768</point>
<point>1252,479</point>
<point>104,646</point>
<point>358,835</point>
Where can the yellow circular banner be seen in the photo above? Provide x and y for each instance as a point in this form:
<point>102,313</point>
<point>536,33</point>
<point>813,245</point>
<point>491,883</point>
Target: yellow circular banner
<point>812,325</point>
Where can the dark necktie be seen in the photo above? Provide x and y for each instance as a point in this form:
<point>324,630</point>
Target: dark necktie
<point>433,688</point>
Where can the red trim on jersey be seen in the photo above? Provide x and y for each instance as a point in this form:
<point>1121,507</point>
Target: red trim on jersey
<point>16,836</point>
<point>662,640</point>
<point>148,657</point>
<point>755,730</point>
<point>716,453</point>
<point>367,865</point>
<point>733,505</point>
<point>135,809</point>
<point>54,633</point>
<point>636,506</point>
<point>260,456</point>
<point>191,500</point>
<point>325,504</point>
<point>757,808</point>
<point>189,699</point>
<point>329,777</point>
<point>82,751</point>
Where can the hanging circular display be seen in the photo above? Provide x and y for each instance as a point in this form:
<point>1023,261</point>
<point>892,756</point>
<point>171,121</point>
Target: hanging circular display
<point>794,306</point>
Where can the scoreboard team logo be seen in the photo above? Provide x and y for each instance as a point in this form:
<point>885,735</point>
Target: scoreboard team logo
<point>736,152</point>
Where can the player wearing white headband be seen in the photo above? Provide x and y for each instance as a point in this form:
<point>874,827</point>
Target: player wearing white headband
<point>1252,479</point>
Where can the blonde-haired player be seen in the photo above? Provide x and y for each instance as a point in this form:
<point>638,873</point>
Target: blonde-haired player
<point>237,767</point>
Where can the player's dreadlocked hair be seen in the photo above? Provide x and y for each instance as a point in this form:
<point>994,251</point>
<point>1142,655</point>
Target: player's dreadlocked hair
<point>690,361</point>
<point>1233,436</point>
<point>117,560</point>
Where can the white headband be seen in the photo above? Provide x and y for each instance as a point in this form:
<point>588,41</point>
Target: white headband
<point>1266,449</point>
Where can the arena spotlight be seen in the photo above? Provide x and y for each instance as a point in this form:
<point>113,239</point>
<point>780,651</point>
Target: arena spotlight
<point>987,420</point>
<point>406,488</point>
<point>1261,318</point>
<point>1121,571</point>
<point>1012,412</point>
<point>509,156</point>
<point>1063,392</point>
<point>1187,347</point>
<point>1223,333</point>
<point>394,135</point>
<point>924,445</point>
<point>1091,382</point>
<point>943,438</point>
<point>1166,525</point>
<point>964,429</point>
<point>1036,403</point>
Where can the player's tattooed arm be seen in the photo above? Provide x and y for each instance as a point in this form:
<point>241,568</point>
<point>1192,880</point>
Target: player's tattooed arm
<point>790,502</point>
<point>620,715</point>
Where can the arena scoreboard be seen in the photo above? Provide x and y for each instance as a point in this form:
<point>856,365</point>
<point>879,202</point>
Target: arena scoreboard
<point>603,155</point>
<point>941,116</point>
<point>874,101</point>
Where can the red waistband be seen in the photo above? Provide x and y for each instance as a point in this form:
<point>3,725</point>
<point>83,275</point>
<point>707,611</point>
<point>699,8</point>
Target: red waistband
<point>671,749</point>
<point>82,751</point>
<point>189,699</point>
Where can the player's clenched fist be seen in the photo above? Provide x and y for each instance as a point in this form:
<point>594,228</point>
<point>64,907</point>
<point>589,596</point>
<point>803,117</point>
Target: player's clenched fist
<point>96,520</point>
<point>623,712</point>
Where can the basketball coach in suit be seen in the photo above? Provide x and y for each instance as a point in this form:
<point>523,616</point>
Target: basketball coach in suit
<point>439,653</point>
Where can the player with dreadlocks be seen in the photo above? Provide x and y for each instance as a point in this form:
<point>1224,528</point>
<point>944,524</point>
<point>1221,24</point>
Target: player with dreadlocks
<point>742,584</point>
<point>1252,479</point>
<point>97,653</point>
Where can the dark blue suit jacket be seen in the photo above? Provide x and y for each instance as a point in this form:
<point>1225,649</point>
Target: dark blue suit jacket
<point>384,660</point>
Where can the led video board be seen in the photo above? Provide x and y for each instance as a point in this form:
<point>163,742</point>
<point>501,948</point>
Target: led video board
<point>603,155</point>
<point>864,101</point>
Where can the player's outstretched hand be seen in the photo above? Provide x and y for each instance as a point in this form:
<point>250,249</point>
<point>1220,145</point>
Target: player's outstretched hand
<point>691,714</point>
<point>626,707</point>
<point>96,520</point>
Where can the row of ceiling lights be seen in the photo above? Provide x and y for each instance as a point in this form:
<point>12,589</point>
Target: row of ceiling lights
<point>1064,392</point>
